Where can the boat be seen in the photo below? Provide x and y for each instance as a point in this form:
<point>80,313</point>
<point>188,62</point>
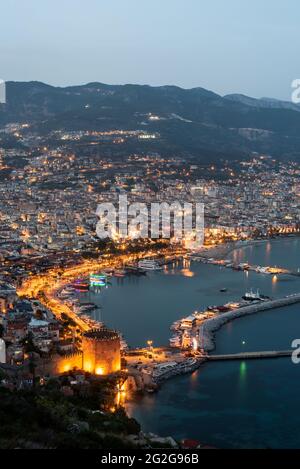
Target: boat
<point>175,341</point>
<point>98,280</point>
<point>65,294</point>
<point>149,264</point>
<point>263,270</point>
<point>120,273</point>
<point>222,309</point>
<point>176,325</point>
<point>67,291</point>
<point>253,296</point>
<point>81,285</point>
<point>123,343</point>
<point>212,308</point>
<point>135,270</point>
<point>188,323</point>
<point>85,307</point>
<point>223,290</point>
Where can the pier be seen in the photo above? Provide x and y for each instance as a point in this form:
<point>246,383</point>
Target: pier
<point>245,266</point>
<point>208,328</point>
<point>251,355</point>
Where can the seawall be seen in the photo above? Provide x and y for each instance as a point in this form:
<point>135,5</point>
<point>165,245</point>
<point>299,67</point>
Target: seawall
<point>210,326</point>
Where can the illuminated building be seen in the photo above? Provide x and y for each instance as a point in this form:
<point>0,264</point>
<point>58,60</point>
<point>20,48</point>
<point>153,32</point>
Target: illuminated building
<point>101,351</point>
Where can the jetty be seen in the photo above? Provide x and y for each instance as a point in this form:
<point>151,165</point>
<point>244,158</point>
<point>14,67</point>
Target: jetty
<point>245,266</point>
<point>210,326</point>
<point>251,355</point>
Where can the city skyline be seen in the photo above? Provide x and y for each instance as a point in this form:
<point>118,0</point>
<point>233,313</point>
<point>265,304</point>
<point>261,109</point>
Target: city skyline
<point>149,228</point>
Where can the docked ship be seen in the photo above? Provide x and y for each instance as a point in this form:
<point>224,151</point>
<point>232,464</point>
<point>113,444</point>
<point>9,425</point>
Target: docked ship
<point>86,307</point>
<point>175,341</point>
<point>176,325</point>
<point>149,264</point>
<point>134,270</point>
<point>253,296</point>
<point>120,273</point>
<point>81,285</point>
<point>123,343</point>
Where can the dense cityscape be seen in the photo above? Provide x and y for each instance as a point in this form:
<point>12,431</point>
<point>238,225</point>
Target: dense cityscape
<point>49,243</point>
<point>149,233</point>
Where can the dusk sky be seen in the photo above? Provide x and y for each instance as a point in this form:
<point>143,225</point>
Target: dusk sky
<point>232,46</point>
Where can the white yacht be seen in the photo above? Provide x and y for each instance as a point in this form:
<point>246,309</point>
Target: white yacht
<point>175,341</point>
<point>149,264</point>
<point>252,296</point>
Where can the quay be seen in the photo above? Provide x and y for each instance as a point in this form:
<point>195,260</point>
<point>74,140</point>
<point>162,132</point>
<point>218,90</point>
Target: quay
<point>244,266</point>
<point>251,355</point>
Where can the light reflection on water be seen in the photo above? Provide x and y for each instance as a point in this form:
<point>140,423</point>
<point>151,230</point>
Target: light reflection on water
<point>135,305</point>
<point>238,404</point>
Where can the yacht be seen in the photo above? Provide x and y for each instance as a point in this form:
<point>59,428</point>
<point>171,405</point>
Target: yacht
<point>253,296</point>
<point>175,341</point>
<point>123,343</point>
<point>81,285</point>
<point>176,325</point>
<point>149,264</point>
<point>86,307</point>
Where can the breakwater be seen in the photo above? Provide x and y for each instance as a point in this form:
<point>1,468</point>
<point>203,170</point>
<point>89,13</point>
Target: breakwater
<point>251,355</point>
<point>208,328</point>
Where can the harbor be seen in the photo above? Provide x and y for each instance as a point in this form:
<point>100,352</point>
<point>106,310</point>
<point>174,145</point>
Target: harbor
<point>253,353</point>
<point>209,327</point>
<point>192,336</point>
<point>109,293</point>
<point>245,266</point>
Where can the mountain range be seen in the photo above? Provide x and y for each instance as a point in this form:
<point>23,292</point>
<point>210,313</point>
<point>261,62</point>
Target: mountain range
<point>191,122</point>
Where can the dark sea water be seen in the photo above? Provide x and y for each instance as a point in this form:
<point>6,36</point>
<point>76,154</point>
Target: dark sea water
<point>251,404</point>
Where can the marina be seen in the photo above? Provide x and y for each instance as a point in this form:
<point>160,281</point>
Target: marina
<point>209,327</point>
<point>223,393</point>
<point>210,301</point>
<point>245,266</point>
<point>251,355</point>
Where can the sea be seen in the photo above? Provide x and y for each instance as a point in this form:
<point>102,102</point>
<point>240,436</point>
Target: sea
<point>234,404</point>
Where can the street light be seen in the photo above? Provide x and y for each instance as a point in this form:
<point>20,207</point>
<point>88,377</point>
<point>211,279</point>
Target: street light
<point>150,343</point>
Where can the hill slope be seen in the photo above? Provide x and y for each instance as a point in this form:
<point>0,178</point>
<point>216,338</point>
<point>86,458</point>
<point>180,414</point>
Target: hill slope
<point>194,121</point>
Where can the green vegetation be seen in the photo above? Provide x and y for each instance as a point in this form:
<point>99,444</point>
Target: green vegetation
<point>47,418</point>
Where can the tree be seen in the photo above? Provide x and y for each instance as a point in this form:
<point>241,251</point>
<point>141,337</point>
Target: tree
<point>31,349</point>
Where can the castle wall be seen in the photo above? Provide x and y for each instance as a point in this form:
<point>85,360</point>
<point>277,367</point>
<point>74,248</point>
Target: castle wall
<point>58,364</point>
<point>101,356</point>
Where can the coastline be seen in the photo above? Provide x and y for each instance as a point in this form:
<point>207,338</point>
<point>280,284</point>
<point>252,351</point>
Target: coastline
<point>220,251</point>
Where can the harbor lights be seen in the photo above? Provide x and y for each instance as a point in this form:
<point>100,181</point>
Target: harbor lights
<point>150,347</point>
<point>195,344</point>
<point>150,344</point>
